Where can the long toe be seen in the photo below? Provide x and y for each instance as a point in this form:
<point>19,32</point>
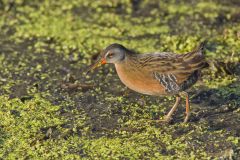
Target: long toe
<point>166,119</point>
<point>161,121</point>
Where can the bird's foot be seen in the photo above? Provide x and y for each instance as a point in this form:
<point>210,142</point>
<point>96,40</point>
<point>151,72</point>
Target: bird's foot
<point>165,120</point>
<point>186,118</point>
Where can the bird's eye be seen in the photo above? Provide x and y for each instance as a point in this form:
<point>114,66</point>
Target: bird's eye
<point>110,55</point>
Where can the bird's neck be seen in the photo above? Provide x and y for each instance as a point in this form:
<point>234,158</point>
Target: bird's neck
<point>130,62</point>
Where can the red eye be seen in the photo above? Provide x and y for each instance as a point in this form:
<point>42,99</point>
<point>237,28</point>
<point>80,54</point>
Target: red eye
<point>110,55</point>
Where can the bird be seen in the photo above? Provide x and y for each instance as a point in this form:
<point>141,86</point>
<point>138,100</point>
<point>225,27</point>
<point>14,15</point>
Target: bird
<point>156,74</point>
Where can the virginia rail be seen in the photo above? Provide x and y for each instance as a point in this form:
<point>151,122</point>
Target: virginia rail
<point>163,73</point>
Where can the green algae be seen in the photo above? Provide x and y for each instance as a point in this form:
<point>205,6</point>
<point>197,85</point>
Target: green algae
<point>46,45</point>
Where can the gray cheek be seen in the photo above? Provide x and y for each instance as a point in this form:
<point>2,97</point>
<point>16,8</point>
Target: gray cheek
<point>109,60</point>
<point>113,60</point>
<point>122,57</point>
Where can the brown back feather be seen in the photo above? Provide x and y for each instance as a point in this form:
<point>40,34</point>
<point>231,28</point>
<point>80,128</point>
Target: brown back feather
<point>181,66</point>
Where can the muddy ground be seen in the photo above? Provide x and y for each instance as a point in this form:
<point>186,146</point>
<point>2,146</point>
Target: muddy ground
<point>51,109</point>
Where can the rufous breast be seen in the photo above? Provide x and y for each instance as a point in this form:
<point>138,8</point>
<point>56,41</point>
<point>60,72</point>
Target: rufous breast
<point>139,80</point>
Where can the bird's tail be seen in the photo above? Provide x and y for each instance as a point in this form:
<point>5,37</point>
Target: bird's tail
<point>201,46</point>
<point>196,58</point>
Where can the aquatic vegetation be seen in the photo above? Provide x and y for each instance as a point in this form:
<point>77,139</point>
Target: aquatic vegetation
<point>50,109</point>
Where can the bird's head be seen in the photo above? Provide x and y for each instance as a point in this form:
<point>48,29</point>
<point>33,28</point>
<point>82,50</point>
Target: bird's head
<point>114,53</point>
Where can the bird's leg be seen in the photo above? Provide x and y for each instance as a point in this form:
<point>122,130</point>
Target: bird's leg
<point>187,106</point>
<point>173,109</point>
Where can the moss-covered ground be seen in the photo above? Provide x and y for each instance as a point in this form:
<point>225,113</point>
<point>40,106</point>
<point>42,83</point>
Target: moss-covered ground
<point>50,109</point>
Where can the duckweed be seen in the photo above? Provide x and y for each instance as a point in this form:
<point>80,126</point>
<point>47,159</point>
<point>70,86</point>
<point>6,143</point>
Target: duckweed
<point>49,109</point>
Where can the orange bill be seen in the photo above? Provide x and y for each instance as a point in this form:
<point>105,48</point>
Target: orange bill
<point>97,64</point>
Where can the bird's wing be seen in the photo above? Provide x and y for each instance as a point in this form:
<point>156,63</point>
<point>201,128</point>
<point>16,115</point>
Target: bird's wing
<point>172,70</point>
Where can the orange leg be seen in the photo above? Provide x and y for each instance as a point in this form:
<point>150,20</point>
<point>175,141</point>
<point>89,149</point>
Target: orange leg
<point>187,107</point>
<point>169,115</point>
